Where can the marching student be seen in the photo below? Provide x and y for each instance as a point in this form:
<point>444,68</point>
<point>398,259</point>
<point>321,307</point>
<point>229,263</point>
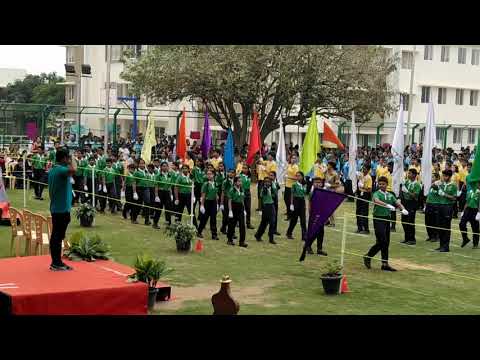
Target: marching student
<point>240,165</point>
<point>117,180</point>
<point>78,176</point>
<point>109,185</point>
<point>199,178</point>
<point>88,174</point>
<point>275,189</point>
<point>141,193</point>
<point>431,210</point>
<point>183,194</point>
<point>472,216</point>
<point>268,212</point>
<point>318,183</point>
<point>297,206</point>
<point>226,187</point>
<point>332,182</point>
<point>215,160</point>
<point>128,182</point>
<point>448,196</point>
<point>291,177</point>
<point>410,193</point>
<point>245,178</point>
<point>364,194</point>
<point>261,174</point>
<point>163,195</point>
<point>385,202</point>
<point>150,187</point>
<point>209,205</point>
<point>236,211</point>
<point>219,177</point>
<point>389,177</point>
<point>39,162</point>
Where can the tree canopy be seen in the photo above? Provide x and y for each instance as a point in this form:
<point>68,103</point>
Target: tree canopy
<point>277,81</point>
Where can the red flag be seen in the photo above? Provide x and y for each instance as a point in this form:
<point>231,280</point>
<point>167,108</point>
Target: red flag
<point>182,139</point>
<point>255,141</point>
<point>329,137</point>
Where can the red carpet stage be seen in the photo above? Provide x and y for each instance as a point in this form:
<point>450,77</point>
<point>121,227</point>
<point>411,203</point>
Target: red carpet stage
<point>28,287</point>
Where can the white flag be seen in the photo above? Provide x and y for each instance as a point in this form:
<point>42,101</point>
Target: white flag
<point>397,152</point>
<point>429,143</point>
<point>281,157</point>
<point>3,194</point>
<point>352,155</point>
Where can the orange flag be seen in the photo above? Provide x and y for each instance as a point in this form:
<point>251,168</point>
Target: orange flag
<point>182,139</point>
<point>330,139</point>
<point>255,141</point>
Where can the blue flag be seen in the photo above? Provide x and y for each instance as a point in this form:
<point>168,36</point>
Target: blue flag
<point>229,160</point>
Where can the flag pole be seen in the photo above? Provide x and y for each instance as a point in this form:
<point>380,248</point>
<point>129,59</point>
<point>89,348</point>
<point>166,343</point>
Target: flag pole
<point>24,182</point>
<point>93,192</point>
<point>344,238</point>
<point>192,214</point>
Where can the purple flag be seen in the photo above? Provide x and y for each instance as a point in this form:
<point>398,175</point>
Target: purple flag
<point>323,205</point>
<point>207,138</point>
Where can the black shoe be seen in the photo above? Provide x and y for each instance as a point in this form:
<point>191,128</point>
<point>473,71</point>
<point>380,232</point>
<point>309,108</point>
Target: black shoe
<point>438,249</point>
<point>475,247</point>
<point>40,198</point>
<point>388,268</point>
<point>134,222</point>
<point>465,242</point>
<point>290,237</point>
<point>367,261</point>
<point>411,243</point>
<point>443,250</point>
<point>148,223</point>
<point>365,232</point>
<point>309,251</point>
<point>224,232</point>
<point>155,226</point>
<point>243,245</point>
<point>273,242</point>
<point>199,235</point>
<point>63,267</point>
<point>403,242</point>
<point>250,227</point>
<point>321,252</point>
<point>393,230</point>
<point>359,231</point>
<point>277,233</point>
<point>230,243</point>
<point>258,238</point>
<point>235,237</point>
<point>215,237</point>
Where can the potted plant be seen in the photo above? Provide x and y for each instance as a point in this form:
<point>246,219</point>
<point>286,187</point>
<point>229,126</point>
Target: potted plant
<point>184,234</point>
<point>88,247</point>
<point>85,213</point>
<point>332,278</point>
<point>149,271</point>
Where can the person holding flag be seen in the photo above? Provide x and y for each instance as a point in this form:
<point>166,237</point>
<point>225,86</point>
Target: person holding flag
<point>297,206</point>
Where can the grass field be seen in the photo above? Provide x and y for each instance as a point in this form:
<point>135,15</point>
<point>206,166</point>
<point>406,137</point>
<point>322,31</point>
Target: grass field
<point>268,279</point>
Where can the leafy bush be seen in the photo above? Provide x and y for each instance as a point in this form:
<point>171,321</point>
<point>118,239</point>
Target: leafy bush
<point>183,234</point>
<point>332,269</point>
<point>88,247</point>
<point>85,210</point>
<point>149,270</point>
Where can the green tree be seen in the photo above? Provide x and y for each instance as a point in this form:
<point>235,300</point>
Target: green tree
<point>277,81</point>
<point>39,89</point>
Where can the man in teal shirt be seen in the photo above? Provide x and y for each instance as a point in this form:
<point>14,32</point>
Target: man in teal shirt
<point>60,191</point>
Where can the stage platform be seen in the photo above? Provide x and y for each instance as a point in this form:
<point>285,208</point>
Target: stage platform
<point>28,287</point>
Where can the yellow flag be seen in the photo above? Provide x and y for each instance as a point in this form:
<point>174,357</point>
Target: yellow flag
<point>149,141</point>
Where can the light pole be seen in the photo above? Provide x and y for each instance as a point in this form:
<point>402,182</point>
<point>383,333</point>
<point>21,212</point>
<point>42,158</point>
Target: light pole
<point>410,100</point>
<point>107,95</point>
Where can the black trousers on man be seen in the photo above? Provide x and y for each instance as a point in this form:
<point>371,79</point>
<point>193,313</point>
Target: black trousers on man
<point>362,210</point>
<point>462,200</point>
<point>112,197</point>
<point>129,206</point>
<point>77,188</point>
<point>299,212</point>
<point>210,213</point>
<point>382,236</point>
<point>445,219</point>
<point>39,178</point>
<point>238,219</point>
<point>348,189</point>
<point>247,203</point>
<point>432,221</point>
<point>259,191</point>
<point>268,218</point>
<point>393,216</point>
<point>136,209</point>
<point>225,220</point>
<point>197,192</point>
<point>166,204</point>
<point>469,217</point>
<point>60,223</point>
<point>287,198</point>
<point>407,220</point>
<point>185,201</point>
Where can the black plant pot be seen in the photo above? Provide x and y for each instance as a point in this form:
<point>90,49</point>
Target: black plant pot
<point>152,297</point>
<point>86,221</point>
<point>184,246</point>
<point>331,284</point>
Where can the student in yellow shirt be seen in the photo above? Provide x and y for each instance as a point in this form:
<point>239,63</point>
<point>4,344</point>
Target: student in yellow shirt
<point>240,164</point>
<point>188,160</point>
<point>463,183</point>
<point>270,164</point>
<point>261,174</point>
<point>215,160</point>
<point>292,169</point>
<point>364,193</point>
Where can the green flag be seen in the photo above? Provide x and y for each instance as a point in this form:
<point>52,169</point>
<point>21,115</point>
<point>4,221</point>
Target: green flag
<point>474,176</point>
<point>311,146</point>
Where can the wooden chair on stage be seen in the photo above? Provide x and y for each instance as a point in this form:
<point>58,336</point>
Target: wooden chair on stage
<point>28,231</point>
<point>17,230</point>
<point>41,235</point>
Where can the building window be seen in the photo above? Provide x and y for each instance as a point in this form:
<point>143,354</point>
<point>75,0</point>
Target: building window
<point>439,132</point>
<point>116,52</point>
<point>407,60</point>
<point>70,93</point>
<point>70,55</point>
<point>462,55</point>
<point>457,135</point>
<point>471,136</point>
<point>459,97</point>
<point>474,97</point>
<point>445,57</point>
<point>475,56</point>
<point>442,95</point>
<point>428,52</point>
<point>122,90</point>
<point>425,94</point>
<point>405,99</point>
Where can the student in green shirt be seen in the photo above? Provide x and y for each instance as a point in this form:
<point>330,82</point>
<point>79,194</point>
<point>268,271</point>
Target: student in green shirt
<point>297,206</point>
<point>198,176</point>
<point>163,195</point>
<point>183,194</point>
<point>109,174</point>
<point>471,215</point>
<point>268,211</point>
<point>318,183</point>
<point>432,210</point>
<point>117,166</point>
<point>141,193</point>
<point>38,164</point>
<point>275,188</point>
<point>410,193</point>
<point>78,176</point>
<point>236,211</point>
<point>173,176</point>
<point>226,187</point>
<point>448,196</point>
<point>385,203</point>
<point>128,189</point>
<point>208,205</point>
<point>151,188</point>
<point>219,176</point>
<point>88,173</point>
<point>246,182</point>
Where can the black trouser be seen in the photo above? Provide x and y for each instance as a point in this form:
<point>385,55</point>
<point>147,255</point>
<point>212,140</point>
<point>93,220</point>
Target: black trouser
<point>469,217</point>
<point>165,203</point>
<point>197,191</point>
<point>147,204</point>
<point>421,200</point>
<point>362,211</point>
<point>432,220</point>
<point>382,235</point>
<point>287,198</point>
<point>77,187</point>
<point>100,196</point>
<point>299,212</point>
<point>225,220</point>
<point>118,186</point>
<point>259,191</point>
<point>348,189</point>
<point>129,206</point>
<point>407,220</point>
<point>112,197</point>
<point>89,193</point>
<point>247,202</point>
<point>445,220</point>
<point>393,216</point>
<point>275,217</point>
<point>268,218</point>
<point>135,211</point>
<point>319,238</point>
<point>185,201</point>
<point>462,199</point>
<point>210,213</point>
<point>238,218</point>
<point>455,208</point>
<point>38,177</point>
<point>60,223</point>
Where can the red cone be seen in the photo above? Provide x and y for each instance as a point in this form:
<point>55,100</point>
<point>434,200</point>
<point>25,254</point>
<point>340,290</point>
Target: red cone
<point>199,245</point>
<point>345,288</point>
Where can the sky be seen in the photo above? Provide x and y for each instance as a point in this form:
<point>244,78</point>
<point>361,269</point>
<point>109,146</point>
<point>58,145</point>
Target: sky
<point>35,59</point>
